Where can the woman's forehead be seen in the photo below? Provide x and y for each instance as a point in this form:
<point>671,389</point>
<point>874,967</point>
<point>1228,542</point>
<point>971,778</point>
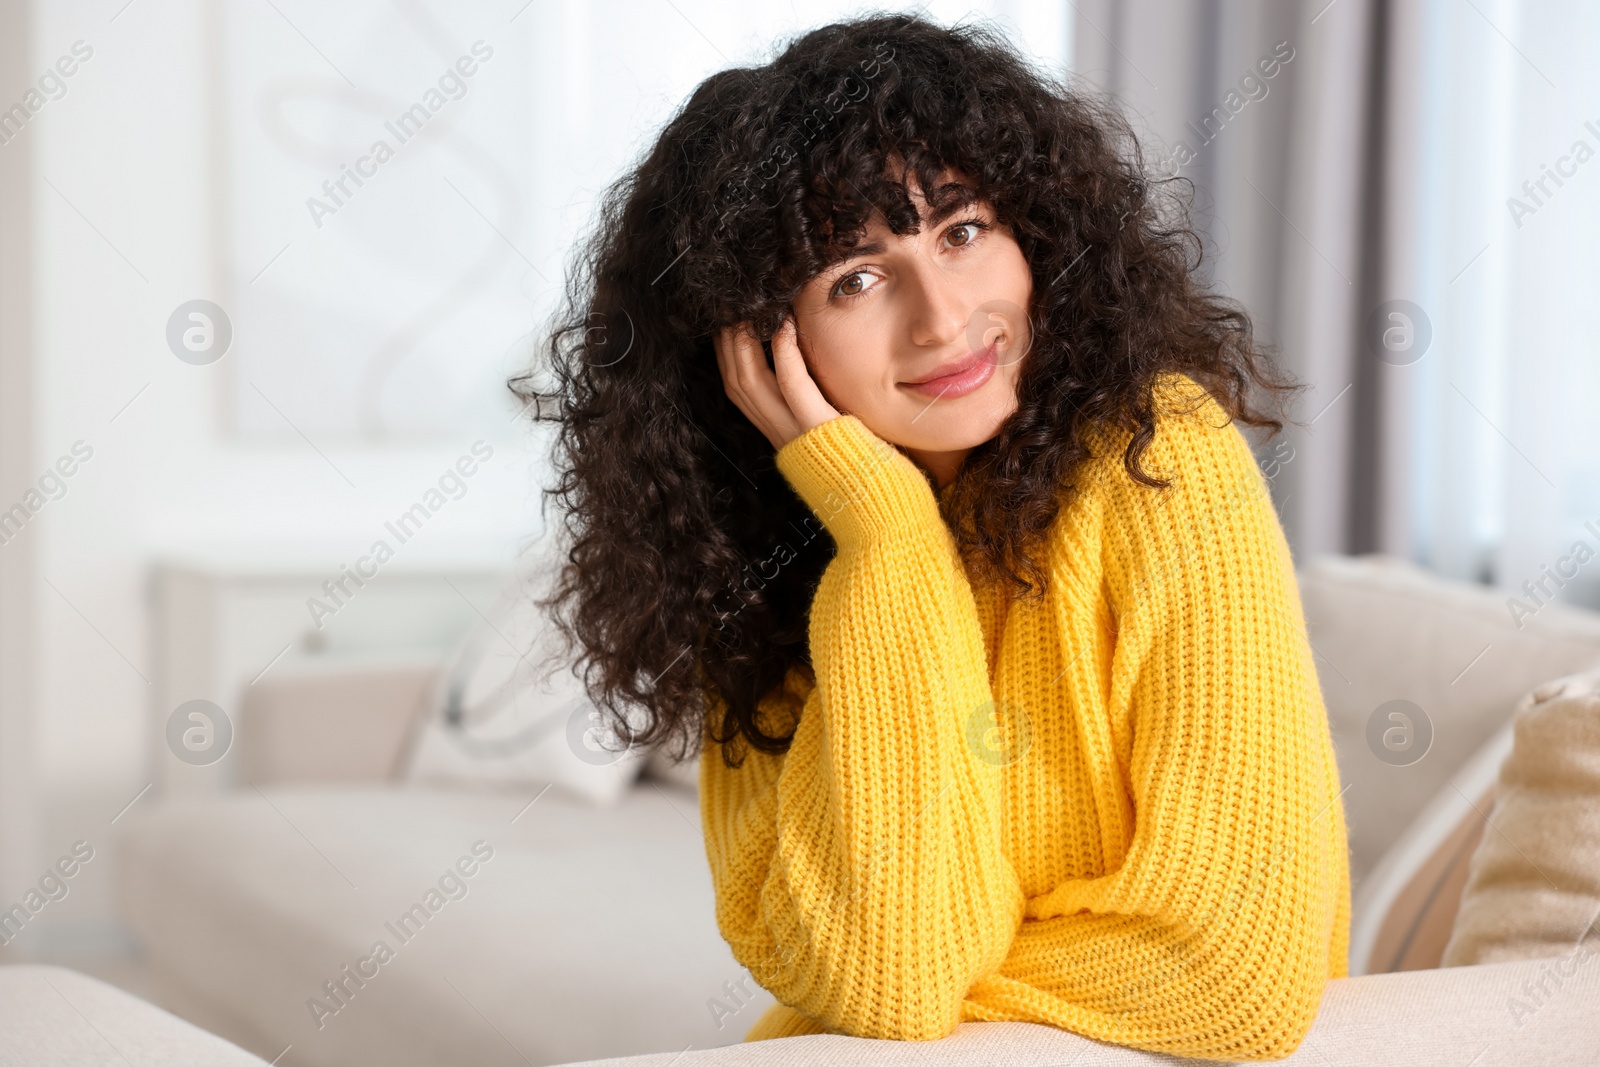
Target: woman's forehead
<point>947,180</point>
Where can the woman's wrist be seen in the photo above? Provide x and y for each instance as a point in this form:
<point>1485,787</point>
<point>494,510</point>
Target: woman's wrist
<point>860,486</point>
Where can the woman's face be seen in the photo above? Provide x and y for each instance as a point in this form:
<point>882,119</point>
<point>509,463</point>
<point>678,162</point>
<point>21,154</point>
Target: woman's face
<point>921,336</point>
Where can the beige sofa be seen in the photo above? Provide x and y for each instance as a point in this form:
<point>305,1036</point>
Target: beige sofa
<point>590,932</point>
<point>56,1017</point>
<point>1450,1018</point>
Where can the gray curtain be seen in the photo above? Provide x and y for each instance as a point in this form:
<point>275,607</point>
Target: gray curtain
<point>1296,123</point>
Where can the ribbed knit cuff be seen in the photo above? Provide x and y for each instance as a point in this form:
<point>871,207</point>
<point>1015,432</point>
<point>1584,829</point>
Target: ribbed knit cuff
<point>861,487</point>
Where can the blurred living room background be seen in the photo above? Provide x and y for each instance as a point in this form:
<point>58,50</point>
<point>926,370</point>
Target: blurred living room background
<point>240,345</point>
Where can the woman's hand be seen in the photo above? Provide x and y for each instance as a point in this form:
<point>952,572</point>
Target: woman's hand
<point>783,402</point>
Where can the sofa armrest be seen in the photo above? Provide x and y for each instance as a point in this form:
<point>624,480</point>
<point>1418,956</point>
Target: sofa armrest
<point>1450,1017</point>
<point>333,720</point>
<point>50,1014</point>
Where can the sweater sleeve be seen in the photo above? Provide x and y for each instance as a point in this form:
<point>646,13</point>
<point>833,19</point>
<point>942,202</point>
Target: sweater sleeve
<point>1210,933</point>
<point>859,876</point>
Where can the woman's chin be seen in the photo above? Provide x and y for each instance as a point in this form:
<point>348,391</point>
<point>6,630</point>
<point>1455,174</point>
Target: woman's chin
<point>960,436</point>
<point>948,427</point>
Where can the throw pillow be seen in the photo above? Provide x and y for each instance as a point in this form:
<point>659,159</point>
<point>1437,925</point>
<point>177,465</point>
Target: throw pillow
<point>511,712</point>
<point>1534,886</point>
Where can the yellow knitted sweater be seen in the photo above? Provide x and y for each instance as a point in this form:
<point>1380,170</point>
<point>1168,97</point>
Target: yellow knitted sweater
<point>1114,810</point>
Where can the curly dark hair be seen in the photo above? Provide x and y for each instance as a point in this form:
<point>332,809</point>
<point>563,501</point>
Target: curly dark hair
<point>692,562</point>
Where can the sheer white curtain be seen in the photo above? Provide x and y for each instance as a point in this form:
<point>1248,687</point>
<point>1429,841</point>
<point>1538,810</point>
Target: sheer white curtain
<point>1506,465</point>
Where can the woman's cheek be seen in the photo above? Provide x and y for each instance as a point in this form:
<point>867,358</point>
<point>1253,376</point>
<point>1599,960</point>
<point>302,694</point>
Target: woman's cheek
<point>824,371</point>
<point>837,389</point>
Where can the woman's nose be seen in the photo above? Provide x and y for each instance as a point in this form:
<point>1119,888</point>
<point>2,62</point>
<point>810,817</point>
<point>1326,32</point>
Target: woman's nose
<point>936,304</point>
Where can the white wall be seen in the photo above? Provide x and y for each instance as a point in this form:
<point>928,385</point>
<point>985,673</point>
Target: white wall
<point>18,805</point>
<point>126,204</point>
<point>122,162</point>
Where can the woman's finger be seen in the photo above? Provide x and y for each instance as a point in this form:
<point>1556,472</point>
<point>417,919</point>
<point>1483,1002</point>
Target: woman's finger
<point>751,383</point>
<point>756,378</point>
<point>722,341</point>
<point>799,389</point>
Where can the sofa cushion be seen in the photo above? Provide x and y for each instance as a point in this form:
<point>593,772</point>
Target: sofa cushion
<point>1383,630</point>
<point>588,932</point>
<point>333,718</point>
<point>1534,886</point>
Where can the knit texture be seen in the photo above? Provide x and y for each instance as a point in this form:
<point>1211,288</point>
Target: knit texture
<point>1115,810</point>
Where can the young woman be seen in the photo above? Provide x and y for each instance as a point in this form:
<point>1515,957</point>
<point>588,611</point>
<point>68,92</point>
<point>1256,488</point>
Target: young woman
<point>994,723</point>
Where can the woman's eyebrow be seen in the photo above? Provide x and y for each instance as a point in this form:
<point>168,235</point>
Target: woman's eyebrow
<point>877,247</point>
<point>871,248</point>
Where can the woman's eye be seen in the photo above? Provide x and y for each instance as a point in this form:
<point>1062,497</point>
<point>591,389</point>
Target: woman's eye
<point>967,232</point>
<point>851,285</point>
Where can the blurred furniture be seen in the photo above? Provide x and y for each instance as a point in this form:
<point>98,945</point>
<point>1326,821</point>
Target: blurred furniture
<point>591,932</point>
<point>1384,630</point>
<point>1408,904</point>
<point>588,930</point>
<point>348,704</point>
<point>61,1018</point>
<point>219,625</point>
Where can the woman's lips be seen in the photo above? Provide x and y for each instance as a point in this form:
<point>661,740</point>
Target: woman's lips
<point>961,382</point>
